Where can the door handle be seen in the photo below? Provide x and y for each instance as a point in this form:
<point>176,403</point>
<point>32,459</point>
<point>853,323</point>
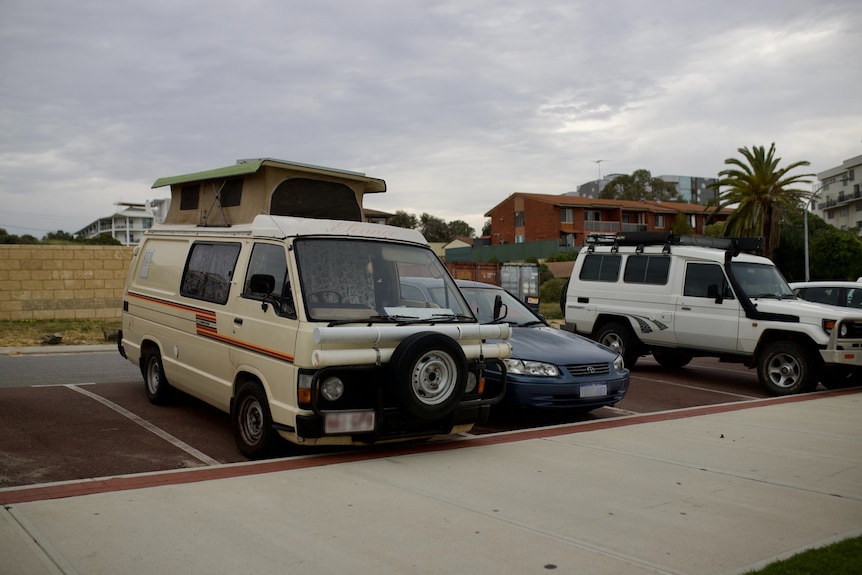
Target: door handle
<point>237,321</point>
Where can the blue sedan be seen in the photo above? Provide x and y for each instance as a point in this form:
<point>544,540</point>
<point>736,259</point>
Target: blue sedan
<point>549,367</point>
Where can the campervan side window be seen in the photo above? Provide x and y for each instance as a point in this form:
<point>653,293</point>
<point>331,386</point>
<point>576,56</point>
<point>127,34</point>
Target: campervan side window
<point>231,193</point>
<point>269,259</point>
<point>601,268</point>
<point>189,196</point>
<point>209,270</point>
<point>698,278</point>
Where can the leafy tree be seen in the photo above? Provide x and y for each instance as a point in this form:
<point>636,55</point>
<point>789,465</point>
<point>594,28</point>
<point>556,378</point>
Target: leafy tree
<point>680,225</point>
<point>834,254</point>
<point>104,239</point>
<point>460,228</point>
<point>402,219</point>
<point>433,228</point>
<point>486,228</point>
<point>58,236</point>
<point>762,194</point>
<point>640,185</point>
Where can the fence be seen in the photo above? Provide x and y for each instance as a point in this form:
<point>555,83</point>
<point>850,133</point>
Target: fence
<point>43,282</point>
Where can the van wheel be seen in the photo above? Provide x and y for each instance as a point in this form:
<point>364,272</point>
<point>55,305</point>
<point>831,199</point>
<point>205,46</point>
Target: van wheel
<point>671,359</point>
<point>785,368</point>
<point>252,422</point>
<point>620,338</point>
<point>159,391</point>
<point>840,376</point>
<point>429,374</point>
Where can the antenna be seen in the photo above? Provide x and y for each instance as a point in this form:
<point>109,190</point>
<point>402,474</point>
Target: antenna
<point>598,164</point>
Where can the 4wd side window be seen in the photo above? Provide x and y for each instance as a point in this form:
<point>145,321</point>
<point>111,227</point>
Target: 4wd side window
<point>647,270</point>
<point>601,268</point>
<point>698,278</point>
<point>209,271</point>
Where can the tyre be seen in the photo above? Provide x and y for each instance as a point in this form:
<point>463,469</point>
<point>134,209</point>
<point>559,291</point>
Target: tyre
<point>786,367</point>
<point>563,293</point>
<point>840,376</point>
<point>619,337</point>
<point>251,421</point>
<point>428,374</point>
<point>159,391</point>
<point>672,359</point>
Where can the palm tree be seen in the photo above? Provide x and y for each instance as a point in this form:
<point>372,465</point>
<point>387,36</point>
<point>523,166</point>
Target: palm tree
<point>762,194</point>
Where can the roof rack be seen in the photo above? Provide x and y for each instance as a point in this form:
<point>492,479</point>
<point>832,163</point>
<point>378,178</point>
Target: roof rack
<point>641,239</point>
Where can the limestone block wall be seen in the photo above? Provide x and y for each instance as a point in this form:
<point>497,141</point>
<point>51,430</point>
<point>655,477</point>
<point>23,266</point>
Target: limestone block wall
<point>40,282</point>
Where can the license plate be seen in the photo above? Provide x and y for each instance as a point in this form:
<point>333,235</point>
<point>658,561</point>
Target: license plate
<point>348,422</point>
<point>594,389</point>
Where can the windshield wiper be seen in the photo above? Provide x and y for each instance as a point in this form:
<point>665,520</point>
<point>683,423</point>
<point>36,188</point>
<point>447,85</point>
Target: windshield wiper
<point>412,319</point>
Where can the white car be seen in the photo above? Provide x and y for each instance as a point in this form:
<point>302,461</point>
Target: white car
<point>838,293</point>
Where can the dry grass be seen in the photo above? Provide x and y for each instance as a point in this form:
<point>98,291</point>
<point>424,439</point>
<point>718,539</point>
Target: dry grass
<point>75,332</point>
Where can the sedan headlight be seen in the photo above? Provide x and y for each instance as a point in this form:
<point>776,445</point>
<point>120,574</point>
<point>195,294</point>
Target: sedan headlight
<point>535,368</point>
<point>619,364</point>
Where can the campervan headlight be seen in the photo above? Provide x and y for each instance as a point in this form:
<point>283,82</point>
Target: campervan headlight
<point>471,382</point>
<point>332,389</point>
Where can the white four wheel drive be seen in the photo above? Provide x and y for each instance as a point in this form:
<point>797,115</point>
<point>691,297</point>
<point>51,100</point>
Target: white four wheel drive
<point>680,297</point>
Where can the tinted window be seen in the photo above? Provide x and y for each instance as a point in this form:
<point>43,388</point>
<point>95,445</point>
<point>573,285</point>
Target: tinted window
<point>601,267</point>
<point>698,278</point>
<point>189,197</point>
<point>647,269</point>
<point>209,271</point>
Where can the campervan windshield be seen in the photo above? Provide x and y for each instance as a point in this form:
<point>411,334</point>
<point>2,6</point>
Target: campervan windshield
<point>360,281</point>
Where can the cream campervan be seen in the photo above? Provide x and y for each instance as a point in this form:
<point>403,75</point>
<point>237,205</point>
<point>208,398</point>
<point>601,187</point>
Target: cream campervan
<point>247,298</point>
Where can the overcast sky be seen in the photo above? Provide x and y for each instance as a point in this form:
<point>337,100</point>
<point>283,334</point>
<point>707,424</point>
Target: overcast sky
<point>456,104</point>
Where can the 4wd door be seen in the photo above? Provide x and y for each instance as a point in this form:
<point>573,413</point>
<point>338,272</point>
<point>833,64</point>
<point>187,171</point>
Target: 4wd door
<point>707,314</point>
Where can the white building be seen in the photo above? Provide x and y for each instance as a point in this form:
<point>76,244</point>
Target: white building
<point>129,221</point>
<point>838,197</point>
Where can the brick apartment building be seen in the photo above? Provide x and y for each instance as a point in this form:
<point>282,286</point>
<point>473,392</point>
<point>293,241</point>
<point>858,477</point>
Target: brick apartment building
<point>524,218</point>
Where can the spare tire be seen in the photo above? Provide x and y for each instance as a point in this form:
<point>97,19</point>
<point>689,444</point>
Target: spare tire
<point>428,374</point>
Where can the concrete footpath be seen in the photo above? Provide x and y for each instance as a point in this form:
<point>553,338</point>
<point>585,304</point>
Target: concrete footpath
<point>722,489</point>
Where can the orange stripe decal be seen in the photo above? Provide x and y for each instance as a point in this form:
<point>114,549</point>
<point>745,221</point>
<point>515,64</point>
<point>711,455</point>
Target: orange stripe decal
<point>206,326</point>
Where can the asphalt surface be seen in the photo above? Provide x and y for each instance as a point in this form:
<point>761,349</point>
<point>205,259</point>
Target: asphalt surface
<point>710,490</point>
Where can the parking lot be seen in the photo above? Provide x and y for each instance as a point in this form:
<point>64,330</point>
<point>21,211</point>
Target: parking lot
<point>72,427</point>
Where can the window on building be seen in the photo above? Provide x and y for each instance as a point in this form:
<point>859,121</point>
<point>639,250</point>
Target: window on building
<point>592,216</point>
<point>189,196</point>
<point>567,240</point>
<point>659,221</point>
<point>520,238</point>
<point>519,219</point>
<point>209,270</point>
<point>567,215</point>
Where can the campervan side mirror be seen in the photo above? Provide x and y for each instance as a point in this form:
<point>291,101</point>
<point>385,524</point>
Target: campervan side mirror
<point>262,283</point>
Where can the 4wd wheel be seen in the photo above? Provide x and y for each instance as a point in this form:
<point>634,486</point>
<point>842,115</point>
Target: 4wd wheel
<point>671,359</point>
<point>840,376</point>
<point>252,422</point>
<point>785,368</point>
<point>429,374</point>
<point>619,337</point>
<point>159,391</point>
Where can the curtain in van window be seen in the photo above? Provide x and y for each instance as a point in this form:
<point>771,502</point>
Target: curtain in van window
<point>209,271</point>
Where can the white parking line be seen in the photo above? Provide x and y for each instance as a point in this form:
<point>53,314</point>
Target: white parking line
<point>699,388</point>
<point>146,425</point>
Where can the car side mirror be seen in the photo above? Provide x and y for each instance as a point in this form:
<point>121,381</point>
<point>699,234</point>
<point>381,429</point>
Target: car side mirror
<point>713,293</point>
<point>499,311</point>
